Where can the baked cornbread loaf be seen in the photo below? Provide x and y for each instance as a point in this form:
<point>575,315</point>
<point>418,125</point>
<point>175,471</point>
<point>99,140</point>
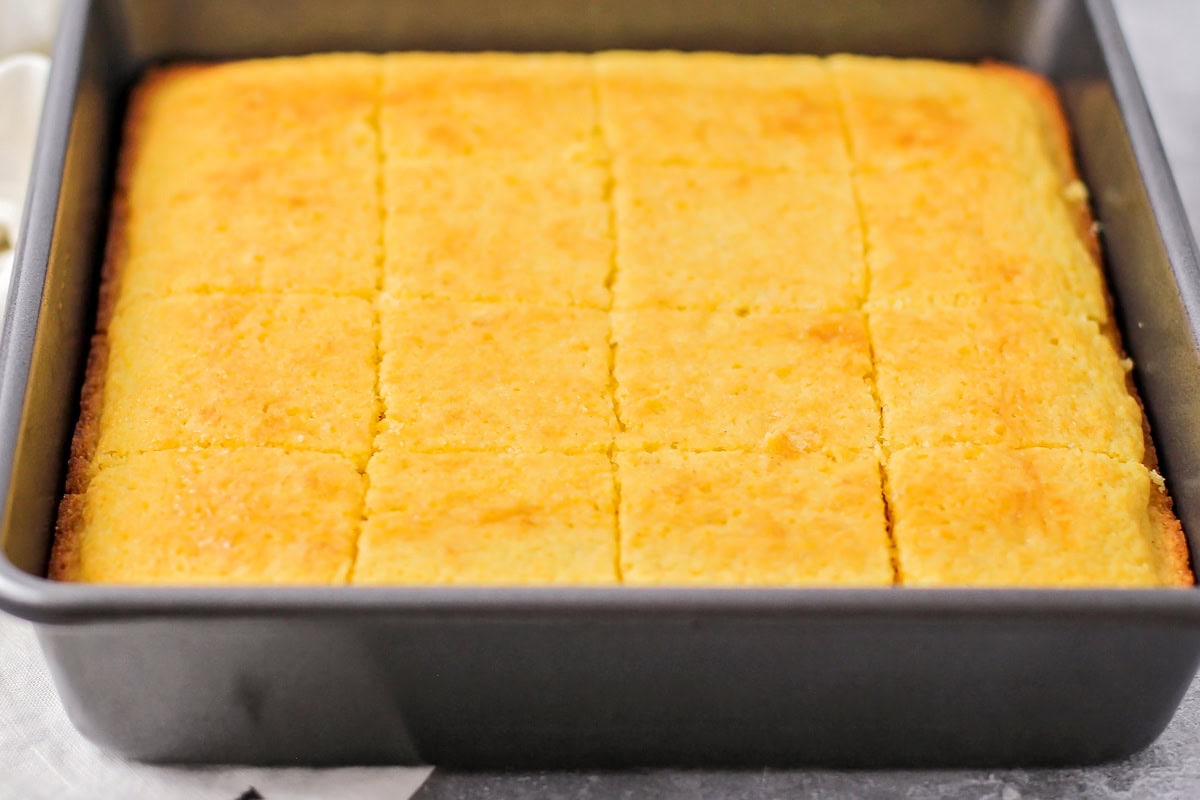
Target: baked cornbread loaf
<point>718,109</point>
<point>716,380</point>
<point>214,515</point>
<point>523,232</point>
<point>295,371</point>
<point>752,519</point>
<point>979,514</point>
<point>998,234</point>
<point>454,377</point>
<point>485,518</point>
<point>806,218</point>
<point>1003,374</point>
<point>260,175</point>
<point>624,318</point>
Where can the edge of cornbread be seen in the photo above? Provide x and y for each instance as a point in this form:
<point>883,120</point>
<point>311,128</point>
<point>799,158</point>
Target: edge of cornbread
<point>1172,544</point>
<point>64,555</point>
<point>87,428</point>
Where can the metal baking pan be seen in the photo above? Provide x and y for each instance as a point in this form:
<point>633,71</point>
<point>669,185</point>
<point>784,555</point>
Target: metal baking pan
<point>597,676</point>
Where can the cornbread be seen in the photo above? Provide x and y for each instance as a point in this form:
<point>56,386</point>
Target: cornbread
<point>788,241</point>
<point>455,377</point>
<point>942,236</point>
<point>751,518</point>
<point>496,107</point>
<point>488,517</point>
<point>535,232</point>
<point>1002,374</point>
<point>973,514</point>
<point>654,319</point>
<point>257,175</point>
<point>290,371</point>
<point>717,109</point>
<point>212,515</point>
<point>697,380</point>
<point>907,112</point>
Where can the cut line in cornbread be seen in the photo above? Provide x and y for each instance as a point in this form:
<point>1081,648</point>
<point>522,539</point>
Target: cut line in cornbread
<point>715,238</point>
<point>942,235</point>
<point>255,175</point>
<point>291,371</point>
<point>489,106</point>
<point>752,519</point>
<point>488,518</point>
<point>695,380</point>
<point>252,515</point>
<point>531,232</point>
<point>495,376</point>
<point>905,112</point>
<point>720,109</point>
<point>993,516</point>
<point>1002,374</point>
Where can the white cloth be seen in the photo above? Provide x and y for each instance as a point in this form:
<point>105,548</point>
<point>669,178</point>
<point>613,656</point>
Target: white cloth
<point>26,30</point>
<point>27,25</point>
<point>22,83</point>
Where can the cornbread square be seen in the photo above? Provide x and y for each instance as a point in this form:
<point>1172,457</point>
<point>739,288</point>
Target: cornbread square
<point>249,515</point>
<point>1002,374</point>
<point>536,232</point>
<point>721,109</point>
<point>251,175</point>
<point>984,516</point>
<point>904,112</point>
<point>488,518</point>
<point>694,380</point>
<point>941,235</point>
<point>290,371</point>
<point>709,238</point>
<point>750,518</point>
<point>497,106</point>
<point>495,376</point>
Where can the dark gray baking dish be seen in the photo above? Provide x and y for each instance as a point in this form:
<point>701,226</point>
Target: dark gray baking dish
<point>601,676</point>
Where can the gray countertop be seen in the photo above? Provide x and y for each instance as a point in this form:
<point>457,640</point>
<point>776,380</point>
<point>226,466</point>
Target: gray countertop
<point>42,755</point>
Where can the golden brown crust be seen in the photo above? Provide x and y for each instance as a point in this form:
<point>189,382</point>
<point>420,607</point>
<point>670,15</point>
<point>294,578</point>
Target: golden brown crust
<point>83,444</point>
<point>117,248</point>
<point>64,558</point>
<point>87,430</point>
<point>1172,543</point>
<point>1057,135</point>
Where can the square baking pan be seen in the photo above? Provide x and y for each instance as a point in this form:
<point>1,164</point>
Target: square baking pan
<point>597,676</point>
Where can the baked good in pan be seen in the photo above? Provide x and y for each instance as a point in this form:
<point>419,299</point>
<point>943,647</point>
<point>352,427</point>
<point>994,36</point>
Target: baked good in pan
<point>641,318</point>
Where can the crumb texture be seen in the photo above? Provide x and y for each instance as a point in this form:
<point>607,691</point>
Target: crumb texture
<point>488,518</point>
<point>641,318</point>
<point>214,516</point>
<point>1002,374</point>
<point>987,515</point>
<point>716,380</point>
<point>291,371</point>
<point>752,519</point>
<point>256,175</point>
